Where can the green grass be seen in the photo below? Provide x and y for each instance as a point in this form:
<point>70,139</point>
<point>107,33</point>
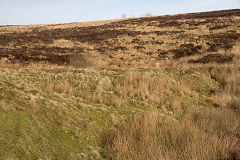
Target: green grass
<point>40,122</point>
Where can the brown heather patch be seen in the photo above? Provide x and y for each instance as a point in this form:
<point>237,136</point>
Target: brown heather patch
<point>124,43</point>
<point>213,58</point>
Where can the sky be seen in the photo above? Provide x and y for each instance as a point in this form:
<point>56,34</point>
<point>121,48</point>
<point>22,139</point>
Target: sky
<point>22,12</point>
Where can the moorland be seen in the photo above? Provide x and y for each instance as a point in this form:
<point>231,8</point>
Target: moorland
<point>159,87</point>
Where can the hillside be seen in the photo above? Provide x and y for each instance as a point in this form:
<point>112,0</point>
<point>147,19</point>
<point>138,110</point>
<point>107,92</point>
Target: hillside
<point>65,112</point>
<point>137,42</point>
<point>164,87</point>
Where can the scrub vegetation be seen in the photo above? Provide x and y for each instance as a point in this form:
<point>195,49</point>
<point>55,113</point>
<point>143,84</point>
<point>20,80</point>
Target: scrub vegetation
<point>159,88</point>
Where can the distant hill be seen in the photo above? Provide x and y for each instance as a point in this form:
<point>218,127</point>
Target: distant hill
<point>134,42</point>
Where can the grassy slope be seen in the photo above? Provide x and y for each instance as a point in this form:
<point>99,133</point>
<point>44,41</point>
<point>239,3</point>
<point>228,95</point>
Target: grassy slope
<point>50,112</point>
<point>39,120</point>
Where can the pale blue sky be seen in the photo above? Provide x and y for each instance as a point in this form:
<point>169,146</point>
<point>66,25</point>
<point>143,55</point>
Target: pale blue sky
<point>63,11</point>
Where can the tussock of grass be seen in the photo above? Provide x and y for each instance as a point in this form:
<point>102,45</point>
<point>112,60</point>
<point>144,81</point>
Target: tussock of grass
<point>228,76</point>
<point>139,85</point>
<point>152,136</point>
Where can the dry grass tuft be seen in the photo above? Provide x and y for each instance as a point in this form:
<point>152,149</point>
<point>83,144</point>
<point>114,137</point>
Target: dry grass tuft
<point>62,43</point>
<point>150,136</point>
<point>228,76</point>
<point>102,98</point>
<point>51,87</point>
<point>4,61</point>
<point>139,85</point>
